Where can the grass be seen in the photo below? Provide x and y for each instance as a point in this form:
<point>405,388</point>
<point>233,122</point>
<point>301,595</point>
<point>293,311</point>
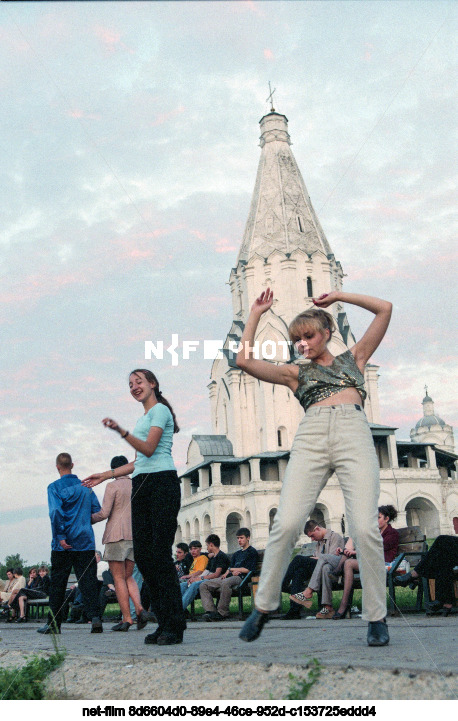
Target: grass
<point>28,683</point>
<point>300,687</point>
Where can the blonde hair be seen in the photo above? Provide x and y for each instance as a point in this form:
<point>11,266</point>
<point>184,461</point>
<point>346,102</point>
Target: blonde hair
<point>315,317</point>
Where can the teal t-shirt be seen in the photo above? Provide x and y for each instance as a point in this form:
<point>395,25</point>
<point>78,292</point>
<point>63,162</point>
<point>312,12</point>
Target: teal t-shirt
<point>161,460</point>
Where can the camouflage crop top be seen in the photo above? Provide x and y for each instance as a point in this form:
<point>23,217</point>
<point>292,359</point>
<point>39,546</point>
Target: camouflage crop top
<point>317,382</point>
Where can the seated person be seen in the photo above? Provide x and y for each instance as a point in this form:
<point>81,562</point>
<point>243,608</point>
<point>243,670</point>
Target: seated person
<point>438,563</point>
<point>217,565</point>
<point>199,564</point>
<point>7,586</point>
<point>38,587</point>
<point>390,538</point>
<point>183,559</point>
<point>301,567</point>
<point>244,561</point>
<point>18,585</point>
<point>322,577</point>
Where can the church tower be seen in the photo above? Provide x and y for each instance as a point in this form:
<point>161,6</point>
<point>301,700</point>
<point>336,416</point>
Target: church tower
<point>432,429</point>
<point>284,247</point>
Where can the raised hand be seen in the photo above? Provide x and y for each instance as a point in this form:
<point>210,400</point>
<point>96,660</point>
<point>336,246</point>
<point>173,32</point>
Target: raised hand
<point>326,299</point>
<point>110,423</point>
<point>264,302</point>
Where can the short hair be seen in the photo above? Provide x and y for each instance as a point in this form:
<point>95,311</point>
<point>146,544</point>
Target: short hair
<point>315,317</point>
<point>310,525</point>
<point>18,570</point>
<point>43,568</point>
<point>98,553</point>
<point>388,511</point>
<point>195,544</point>
<point>10,570</point>
<point>184,547</point>
<point>243,532</point>
<point>64,460</point>
<point>213,538</point>
<point>118,461</point>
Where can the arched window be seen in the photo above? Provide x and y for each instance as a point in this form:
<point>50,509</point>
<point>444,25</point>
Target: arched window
<point>272,513</point>
<point>309,287</point>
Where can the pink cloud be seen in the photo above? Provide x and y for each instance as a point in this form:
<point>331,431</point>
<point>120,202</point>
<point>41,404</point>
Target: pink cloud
<point>198,234</point>
<point>78,114</point>
<point>110,39</point>
<point>164,117</point>
<point>224,245</point>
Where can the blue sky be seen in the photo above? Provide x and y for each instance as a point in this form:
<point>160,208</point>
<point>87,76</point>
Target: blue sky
<point>129,155</point>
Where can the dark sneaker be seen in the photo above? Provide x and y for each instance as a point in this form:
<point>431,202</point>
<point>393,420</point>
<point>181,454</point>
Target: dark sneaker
<point>253,626</point>
<point>167,638</point>
<point>210,616</point>
<point>49,628</point>
<point>377,633</point>
<point>153,637</point>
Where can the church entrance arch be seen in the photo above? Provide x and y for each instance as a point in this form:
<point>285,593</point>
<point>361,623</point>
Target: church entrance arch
<point>422,512</point>
<point>178,535</point>
<point>233,523</point>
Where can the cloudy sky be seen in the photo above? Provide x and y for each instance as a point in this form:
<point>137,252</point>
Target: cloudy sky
<point>129,154</point>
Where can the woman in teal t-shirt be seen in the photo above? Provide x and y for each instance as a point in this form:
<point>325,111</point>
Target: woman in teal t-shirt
<point>155,502</point>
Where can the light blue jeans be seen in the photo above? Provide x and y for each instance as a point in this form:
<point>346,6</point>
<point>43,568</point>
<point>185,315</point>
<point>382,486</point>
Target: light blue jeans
<point>329,438</point>
<point>190,593</point>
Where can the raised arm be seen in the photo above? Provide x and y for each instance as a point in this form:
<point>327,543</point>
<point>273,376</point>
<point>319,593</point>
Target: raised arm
<point>373,336</point>
<point>283,374</point>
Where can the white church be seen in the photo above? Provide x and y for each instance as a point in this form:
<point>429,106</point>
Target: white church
<point>233,476</point>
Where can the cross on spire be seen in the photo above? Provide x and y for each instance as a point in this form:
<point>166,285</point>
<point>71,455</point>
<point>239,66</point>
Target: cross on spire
<point>270,98</point>
<point>426,390</point>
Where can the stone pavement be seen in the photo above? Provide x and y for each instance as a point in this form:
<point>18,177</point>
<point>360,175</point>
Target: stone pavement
<point>417,643</point>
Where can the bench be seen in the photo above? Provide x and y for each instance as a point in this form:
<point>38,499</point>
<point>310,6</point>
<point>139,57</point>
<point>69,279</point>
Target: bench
<point>35,607</point>
<point>246,589</point>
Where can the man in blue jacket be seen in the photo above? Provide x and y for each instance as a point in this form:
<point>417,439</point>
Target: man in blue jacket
<point>73,544</point>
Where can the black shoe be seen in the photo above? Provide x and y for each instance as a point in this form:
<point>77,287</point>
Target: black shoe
<point>405,580</point>
<point>253,626</point>
<point>167,638</point>
<point>152,637</point>
<point>121,626</point>
<point>377,633</point>
<point>211,616</point>
<point>49,628</point>
<point>337,616</point>
<point>142,620</point>
<point>291,615</point>
<point>82,620</point>
<point>21,619</point>
<point>97,626</point>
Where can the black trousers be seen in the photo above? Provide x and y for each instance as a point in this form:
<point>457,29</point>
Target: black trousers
<point>298,574</point>
<point>85,568</point>
<point>439,563</point>
<point>28,593</point>
<point>155,506</point>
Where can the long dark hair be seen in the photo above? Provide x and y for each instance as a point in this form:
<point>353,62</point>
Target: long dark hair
<point>151,378</point>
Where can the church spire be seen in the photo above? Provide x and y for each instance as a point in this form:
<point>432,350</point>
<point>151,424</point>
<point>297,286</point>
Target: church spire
<point>281,215</point>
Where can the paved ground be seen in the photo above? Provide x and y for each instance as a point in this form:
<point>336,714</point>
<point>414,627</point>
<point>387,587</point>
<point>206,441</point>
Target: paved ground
<point>422,651</point>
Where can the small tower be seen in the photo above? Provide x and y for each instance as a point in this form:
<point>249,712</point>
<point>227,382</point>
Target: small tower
<point>432,429</point>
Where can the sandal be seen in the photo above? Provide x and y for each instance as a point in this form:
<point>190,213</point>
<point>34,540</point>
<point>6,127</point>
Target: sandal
<point>301,599</point>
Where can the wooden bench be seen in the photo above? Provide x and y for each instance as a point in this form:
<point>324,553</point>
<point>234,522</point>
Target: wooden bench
<point>246,588</point>
<point>35,607</point>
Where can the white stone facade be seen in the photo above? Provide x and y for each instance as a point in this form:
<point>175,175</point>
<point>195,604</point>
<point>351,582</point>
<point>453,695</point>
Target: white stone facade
<point>233,476</point>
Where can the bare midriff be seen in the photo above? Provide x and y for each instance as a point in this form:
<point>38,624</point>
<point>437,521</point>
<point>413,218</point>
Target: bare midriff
<point>347,395</point>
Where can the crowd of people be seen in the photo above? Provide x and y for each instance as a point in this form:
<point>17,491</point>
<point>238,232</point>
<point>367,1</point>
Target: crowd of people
<point>142,500</point>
